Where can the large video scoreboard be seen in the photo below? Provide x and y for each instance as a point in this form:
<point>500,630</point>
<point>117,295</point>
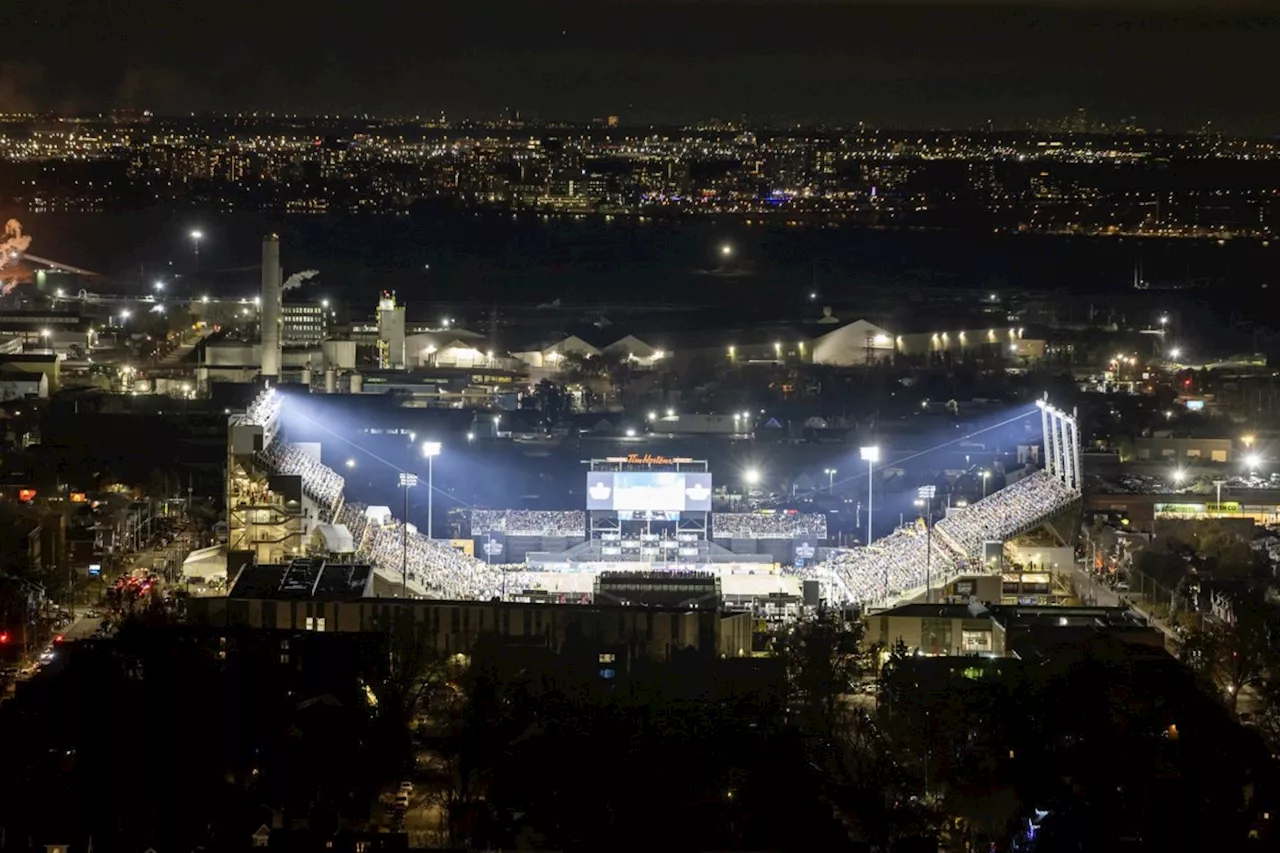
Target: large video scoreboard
<point>649,491</point>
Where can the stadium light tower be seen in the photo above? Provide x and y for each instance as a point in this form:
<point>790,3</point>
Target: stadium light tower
<point>871,454</point>
<point>430,449</point>
<point>196,236</point>
<point>926,494</point>
<point>407,482</point>
<point>831,478</point>
<point>986,475</point>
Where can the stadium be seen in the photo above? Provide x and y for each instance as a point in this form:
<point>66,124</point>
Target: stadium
<point>640,513</point>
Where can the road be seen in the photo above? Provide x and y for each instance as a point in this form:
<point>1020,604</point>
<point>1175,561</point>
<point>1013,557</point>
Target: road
<point>1247,703</point>
<point>1105,596</point>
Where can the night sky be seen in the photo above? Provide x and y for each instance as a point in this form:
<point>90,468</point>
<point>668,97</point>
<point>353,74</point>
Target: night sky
<point>933,63</point>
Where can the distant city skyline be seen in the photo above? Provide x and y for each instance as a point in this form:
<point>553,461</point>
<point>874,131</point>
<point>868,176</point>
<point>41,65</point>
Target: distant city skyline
<point>1172,65</point>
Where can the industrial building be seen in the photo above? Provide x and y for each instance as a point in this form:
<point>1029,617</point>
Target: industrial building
<point>306,595</point>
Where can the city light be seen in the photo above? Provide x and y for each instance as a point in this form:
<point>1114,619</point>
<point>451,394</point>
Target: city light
<point>1253,461</point>
<point>751,476</point>
<point>1179,476</point>
<point>430,448</point>
<point>1175,352</point>
<point>726,250</point>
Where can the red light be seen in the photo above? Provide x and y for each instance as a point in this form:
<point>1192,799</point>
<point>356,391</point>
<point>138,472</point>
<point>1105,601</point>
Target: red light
<point>58,639</point>
<point>4,637</point>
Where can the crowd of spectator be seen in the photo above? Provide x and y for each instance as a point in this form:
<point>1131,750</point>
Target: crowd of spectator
<point>778,525</point>
<point>527,522</point>
<point>355,518</point>
<point>889,567</point>
<point>434,567</point>
<point>1004,514</point>
<point>319,482</point>
<point>897,563</point>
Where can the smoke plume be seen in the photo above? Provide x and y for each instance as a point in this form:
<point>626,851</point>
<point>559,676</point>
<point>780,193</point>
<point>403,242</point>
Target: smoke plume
<point>295,281</point>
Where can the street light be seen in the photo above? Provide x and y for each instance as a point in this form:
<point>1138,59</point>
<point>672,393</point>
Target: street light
<point>926,494</point>
<point>831,475</point>
<point>1252,461</point>
<point>871,454</point>
<point>430,449</point>
<point>726,250</point>
<point>1175,352</point>
<point>407,482</point>
<point>1179,476</point>
<point>159,286</point>
<point>1219,484</point>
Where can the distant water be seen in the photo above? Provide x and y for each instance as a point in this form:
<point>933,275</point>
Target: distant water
<point>487,258</point>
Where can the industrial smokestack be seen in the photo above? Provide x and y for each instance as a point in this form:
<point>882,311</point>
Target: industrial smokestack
<point>271,299</point>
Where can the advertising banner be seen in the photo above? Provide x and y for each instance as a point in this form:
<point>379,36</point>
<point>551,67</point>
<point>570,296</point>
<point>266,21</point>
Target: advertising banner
<point>803,549</point>
<point>493,547</point>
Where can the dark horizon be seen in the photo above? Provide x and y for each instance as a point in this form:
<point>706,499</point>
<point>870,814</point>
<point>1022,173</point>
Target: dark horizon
<point>1172,65</point>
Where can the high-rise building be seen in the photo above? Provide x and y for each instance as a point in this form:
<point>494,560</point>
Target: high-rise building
<point>304,322</point>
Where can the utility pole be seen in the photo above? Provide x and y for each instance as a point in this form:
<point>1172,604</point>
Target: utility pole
<point>926,494</point>
<point>407,482</point>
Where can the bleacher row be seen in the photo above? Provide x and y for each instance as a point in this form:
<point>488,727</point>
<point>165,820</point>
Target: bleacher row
<point>264,411</point>
<point>730,525</point>
<point>434,567</point>
<point>319,482</point>
<point>897,564</point>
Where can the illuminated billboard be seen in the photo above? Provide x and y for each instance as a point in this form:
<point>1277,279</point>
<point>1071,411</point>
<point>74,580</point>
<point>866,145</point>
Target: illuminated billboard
<point>645,491</point>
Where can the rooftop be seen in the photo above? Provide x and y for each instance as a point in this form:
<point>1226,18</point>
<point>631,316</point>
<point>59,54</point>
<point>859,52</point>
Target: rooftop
<point>313,579</point>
